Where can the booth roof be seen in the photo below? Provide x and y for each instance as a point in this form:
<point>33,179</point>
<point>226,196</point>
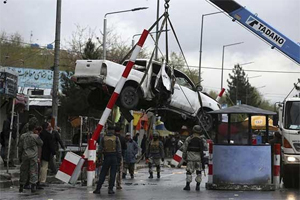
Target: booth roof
<point>243,109</point>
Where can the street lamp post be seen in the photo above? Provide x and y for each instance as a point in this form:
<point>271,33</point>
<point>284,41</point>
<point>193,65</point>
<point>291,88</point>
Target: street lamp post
<point>223,59</point>
<point>201,36</point>
<point>248,84</point>
<point>105,24</point>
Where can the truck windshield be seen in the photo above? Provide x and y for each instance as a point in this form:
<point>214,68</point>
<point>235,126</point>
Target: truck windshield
<point>292,120</point>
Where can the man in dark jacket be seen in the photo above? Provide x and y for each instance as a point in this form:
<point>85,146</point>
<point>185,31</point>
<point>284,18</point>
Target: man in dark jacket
<point>130,156</point>
<point>56,140</point>
<point>47,150</point>
<point>120,167</point>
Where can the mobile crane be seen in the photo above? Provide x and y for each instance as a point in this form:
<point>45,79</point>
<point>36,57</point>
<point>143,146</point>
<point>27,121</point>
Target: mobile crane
<point>289,110</point>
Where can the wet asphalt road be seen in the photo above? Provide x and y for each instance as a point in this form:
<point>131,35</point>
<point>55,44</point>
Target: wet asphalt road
<point>168,187</point>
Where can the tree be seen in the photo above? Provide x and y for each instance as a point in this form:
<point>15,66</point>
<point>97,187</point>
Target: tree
<point>214,95</point>
<point>90,51</point>
<point>74,99</point>
<point>240,89</point>
<point>177,61</point>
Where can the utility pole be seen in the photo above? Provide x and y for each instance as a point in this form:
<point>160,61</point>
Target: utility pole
<point>56,64</point>
<point>157,28</point>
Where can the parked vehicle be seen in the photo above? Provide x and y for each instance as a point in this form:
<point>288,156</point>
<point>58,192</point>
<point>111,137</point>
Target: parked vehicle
<point>289,128</point>
<point>149,86</point>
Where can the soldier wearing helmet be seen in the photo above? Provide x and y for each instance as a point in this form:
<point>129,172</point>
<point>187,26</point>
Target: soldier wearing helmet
<point>154,154</point>
<point>110,147</point>
<point>193,154</point>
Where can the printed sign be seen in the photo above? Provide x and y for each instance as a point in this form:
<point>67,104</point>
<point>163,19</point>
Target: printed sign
<point>35,78</point>
<point>8,84</point>
<point>267,32</point>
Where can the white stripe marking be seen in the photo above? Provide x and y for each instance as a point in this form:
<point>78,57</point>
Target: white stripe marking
<point>277,160</point>
<point>63,176</point>
<point>120,85</point>
<point>72,157</point>
<point>105,115</point>
<point>92,155</point>
<point>135,53</point>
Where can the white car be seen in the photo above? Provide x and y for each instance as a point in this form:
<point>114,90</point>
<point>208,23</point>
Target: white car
<point>171,94</point>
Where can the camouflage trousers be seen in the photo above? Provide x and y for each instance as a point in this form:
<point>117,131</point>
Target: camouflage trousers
<point>29,167</point>
<point>156,162</point>
<point>119,173</point>
<point>190,168</point>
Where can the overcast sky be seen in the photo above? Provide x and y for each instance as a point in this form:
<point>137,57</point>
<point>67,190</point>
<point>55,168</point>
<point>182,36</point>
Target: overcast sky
<point>38,16</point>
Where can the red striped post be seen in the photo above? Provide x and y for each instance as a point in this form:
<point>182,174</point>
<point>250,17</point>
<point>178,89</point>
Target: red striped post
<point>220,94</point>
<point>119,87</point>
<point>177,158</point>
<point>91,162</point>
<point>276,169</point>
<point>210,162</point>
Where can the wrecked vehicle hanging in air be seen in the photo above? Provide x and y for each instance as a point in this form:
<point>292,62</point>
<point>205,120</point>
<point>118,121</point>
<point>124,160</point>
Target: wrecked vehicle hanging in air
<point>149,86</point>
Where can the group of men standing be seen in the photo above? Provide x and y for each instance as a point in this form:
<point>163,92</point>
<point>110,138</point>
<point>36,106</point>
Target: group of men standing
<point>117,151</point>
<point>37,149</point>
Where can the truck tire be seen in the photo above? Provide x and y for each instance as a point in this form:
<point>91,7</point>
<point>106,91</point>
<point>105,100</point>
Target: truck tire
<point>287,177</point>
<point>129,98</point>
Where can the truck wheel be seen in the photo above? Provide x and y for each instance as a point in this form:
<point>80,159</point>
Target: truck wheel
<point>129,98</point>
<point>287,177</point>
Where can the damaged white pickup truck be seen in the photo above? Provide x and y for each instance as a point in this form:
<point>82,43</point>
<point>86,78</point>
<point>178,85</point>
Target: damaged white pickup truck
<point>170,93</point>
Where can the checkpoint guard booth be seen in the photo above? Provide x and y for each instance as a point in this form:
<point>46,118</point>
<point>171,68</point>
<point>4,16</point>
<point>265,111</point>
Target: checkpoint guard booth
<point>235,163</point>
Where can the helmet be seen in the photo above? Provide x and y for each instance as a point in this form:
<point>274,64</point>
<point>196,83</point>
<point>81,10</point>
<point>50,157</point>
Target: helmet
<point>155,134</point>
<point>197,129</point>
<point>33,121</point>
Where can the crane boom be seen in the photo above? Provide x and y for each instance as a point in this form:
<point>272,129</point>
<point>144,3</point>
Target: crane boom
<point>261,28</point>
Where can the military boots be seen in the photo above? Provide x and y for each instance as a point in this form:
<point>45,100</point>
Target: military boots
<point>198,187</point>
<point>33,188</point>
<point>151,175</point>
<point>111,191</point>
<point>21,188</point>
<point>187,186</point>
<point>158,174</point>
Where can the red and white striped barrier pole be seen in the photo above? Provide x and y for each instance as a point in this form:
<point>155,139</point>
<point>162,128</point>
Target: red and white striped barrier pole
<point>220,94</point>
<point>91,162</point>
<point>119,87</point>
<point>177,158</point>
<point>210,163</point>
<point>276,169</point>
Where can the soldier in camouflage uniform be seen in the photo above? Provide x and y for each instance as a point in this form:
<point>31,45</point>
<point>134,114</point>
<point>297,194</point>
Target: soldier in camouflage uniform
<point>32,120</point>
<point>28,155</point>
<point>193,154</point>
<point>155,153</point>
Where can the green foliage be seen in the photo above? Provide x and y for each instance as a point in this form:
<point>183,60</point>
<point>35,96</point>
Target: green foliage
<point>177,61</point>
<point>241,89</point>
<point>214,95</point>
<point>90,52</point>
